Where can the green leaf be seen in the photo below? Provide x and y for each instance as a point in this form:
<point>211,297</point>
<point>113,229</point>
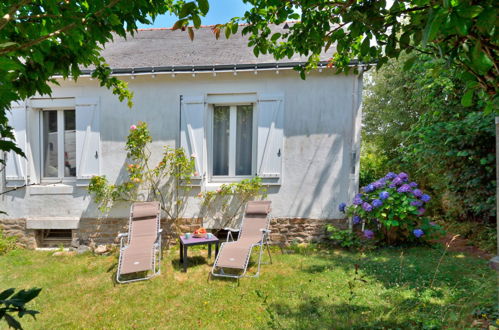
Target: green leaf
<point>275,36</point>
<point>433,26</point>
<point>469,12</point>
<point>7,44</point>
<point>187,9</point>
<point>196,20</point>
<point>364,47</point>
<point>204,6</point>
<point>467,99</point>
<point>480,60</point>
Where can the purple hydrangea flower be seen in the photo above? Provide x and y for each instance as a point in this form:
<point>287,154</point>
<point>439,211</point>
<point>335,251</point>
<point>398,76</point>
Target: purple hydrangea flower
<point>369,188</point>
<point>417,192</point>
<point>418,232</point>
<point>384,195</point>
<point>421,211</point>
<point>379,184</point>
<point>356,219</point>
<point>425,198</point>
<point>357,200</point>
<point>392,185</point>
<point>367,207</point>
<point>403,176</point>
<point>390,176</point>
<point>397,181</point>
<point>377,203</point>
<point>404,188</point>
<point>413,184</point>
<point>417,203</point>
<point>342,206</point>
<point>369,234</point>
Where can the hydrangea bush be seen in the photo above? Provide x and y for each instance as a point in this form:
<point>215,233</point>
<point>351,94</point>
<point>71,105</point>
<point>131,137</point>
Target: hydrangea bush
<point>392,210</point>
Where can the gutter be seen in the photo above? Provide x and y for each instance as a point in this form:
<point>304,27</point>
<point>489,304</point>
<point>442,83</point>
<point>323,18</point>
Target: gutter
<point>214,69</point>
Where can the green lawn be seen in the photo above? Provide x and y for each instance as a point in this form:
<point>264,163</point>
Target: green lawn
<point>305,289</point>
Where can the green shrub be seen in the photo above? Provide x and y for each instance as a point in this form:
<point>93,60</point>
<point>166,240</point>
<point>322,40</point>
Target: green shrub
<point>344,238</point>
<point>7,243</point>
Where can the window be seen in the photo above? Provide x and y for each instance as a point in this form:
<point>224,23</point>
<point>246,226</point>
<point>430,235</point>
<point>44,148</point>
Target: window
<point>232,145</point>
<point>58,144</point>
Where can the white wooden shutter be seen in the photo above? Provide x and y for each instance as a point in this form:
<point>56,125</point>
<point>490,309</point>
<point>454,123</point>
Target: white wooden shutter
<point>270,137</point>
<point>87,139</point>
<point>15,166</point>
<point>192,118</point>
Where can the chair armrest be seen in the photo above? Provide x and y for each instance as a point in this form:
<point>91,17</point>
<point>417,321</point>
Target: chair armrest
<point>231,229</point>
<point>266,231</point>
<point>122,235</point>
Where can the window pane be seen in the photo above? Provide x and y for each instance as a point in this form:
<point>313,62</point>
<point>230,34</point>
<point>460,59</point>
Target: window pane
<point>221,124</point>
<point>69,143</point>
<point>244,139</point>
<point>50,144</point>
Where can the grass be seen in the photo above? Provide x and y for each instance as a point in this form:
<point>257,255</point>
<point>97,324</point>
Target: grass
<point>309,288</point>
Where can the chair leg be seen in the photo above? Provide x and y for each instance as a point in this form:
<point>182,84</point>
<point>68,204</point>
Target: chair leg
<point>268,250</point>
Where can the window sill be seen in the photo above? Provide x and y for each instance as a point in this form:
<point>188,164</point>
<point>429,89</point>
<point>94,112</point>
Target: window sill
<point>52,189</point>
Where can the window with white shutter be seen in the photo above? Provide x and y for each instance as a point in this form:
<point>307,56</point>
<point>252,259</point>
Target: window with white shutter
<point>270,137</point>
<point>15,165</point>
<point>87,139</point>
<point>192,118</point>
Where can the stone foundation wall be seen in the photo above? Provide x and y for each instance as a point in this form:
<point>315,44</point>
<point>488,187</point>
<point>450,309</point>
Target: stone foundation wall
<point>17,227</point>
<point>300,230</point>
<point>105,231</point>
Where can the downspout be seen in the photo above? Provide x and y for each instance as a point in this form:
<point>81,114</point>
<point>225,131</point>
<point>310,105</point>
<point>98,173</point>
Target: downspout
<point>28,145</point>
<point>355,138</point>
<point>178,146</point>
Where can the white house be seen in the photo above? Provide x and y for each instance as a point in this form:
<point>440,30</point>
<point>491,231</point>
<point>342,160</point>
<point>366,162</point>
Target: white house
<point>301,136</point>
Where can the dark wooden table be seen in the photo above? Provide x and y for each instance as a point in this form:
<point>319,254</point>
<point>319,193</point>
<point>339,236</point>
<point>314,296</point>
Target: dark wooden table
<point>185,243</point>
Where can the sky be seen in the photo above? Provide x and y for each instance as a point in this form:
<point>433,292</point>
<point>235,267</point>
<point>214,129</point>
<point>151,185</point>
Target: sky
<point>221,11</point>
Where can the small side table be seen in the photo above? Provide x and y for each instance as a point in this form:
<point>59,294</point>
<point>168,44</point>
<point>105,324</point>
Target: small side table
<point>185,243</point>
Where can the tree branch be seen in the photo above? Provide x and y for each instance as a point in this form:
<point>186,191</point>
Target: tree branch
<point>57,32</point>
<point>8,17</point>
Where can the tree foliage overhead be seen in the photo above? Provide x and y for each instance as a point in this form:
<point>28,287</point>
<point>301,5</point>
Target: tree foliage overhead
<point>43,38</point>
<point>463,32</point>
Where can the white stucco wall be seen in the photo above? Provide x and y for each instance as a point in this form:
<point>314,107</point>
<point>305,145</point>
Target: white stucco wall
<point>321,128</point>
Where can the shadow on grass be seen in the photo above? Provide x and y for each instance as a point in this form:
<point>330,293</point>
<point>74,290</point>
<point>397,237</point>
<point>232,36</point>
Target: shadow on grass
<point>192,261</point>
<point>412,268</point>
<point>315,313</point>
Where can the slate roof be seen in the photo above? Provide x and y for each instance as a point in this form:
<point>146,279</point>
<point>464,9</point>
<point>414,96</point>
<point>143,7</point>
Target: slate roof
<point>156,48</point>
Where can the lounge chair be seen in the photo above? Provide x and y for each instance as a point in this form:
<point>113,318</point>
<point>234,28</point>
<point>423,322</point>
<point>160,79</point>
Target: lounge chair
<point>254,232</point>
<point>142,252</point>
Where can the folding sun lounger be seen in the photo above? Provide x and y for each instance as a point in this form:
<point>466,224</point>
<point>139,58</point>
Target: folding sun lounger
<point>254,232</point>
<point>142,252</point>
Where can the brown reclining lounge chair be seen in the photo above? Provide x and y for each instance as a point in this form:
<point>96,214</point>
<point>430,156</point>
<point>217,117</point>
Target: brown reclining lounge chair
<point>254,232</point>
<point>142,252</point>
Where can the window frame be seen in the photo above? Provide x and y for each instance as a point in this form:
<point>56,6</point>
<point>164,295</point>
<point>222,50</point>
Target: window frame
<point>60,147</point>
<point>231,177</point>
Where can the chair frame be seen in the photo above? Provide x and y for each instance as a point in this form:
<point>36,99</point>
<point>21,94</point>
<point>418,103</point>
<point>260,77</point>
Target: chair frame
<point>264,241</point>
<point>156,262</point>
